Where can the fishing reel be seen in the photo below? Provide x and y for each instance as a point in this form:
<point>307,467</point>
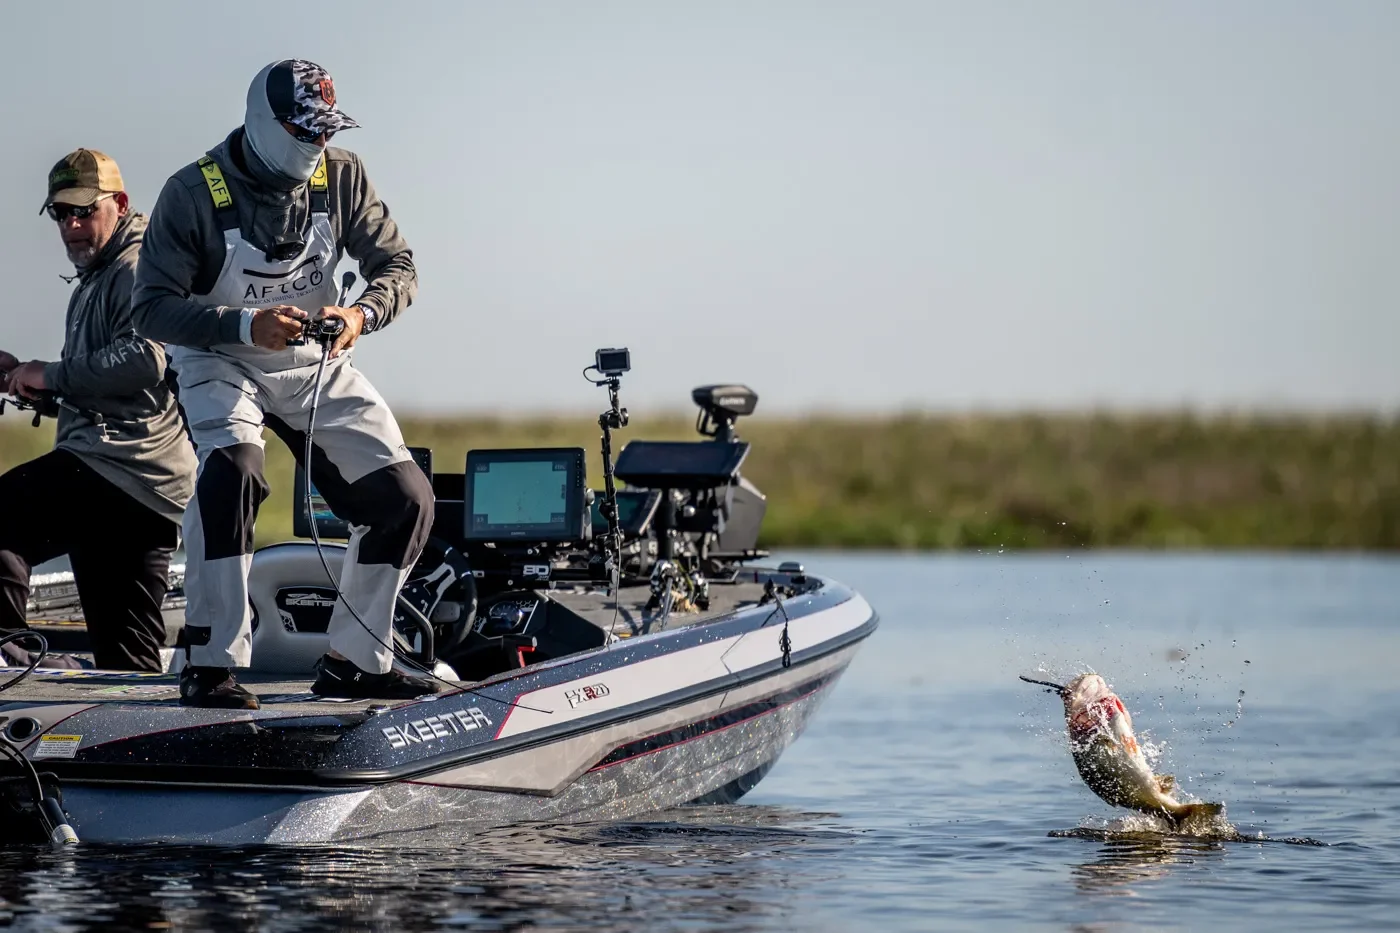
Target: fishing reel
<point>321,330</point>
<point>48,405</point>
<point>324,330</point>
<point>40,407</point>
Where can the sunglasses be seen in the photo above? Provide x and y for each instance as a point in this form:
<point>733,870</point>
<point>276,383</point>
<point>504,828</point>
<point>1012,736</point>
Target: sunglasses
<point>304,135</point>
<point>61,212</point>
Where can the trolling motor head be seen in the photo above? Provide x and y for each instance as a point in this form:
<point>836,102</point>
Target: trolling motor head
<point>720,407</point>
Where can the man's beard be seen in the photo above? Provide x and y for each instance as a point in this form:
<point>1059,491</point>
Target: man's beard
<point>81,253</point>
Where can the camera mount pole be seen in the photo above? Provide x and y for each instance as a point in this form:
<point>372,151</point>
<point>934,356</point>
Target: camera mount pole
<point>612,419</point>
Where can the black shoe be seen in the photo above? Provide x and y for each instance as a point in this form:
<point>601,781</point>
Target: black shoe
<point>213,688</point>
<point>343,680</point>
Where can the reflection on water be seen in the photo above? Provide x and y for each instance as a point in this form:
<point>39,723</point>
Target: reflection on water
<point>1131,856</point>
<point>730,867</point>
<point>1125,862</point>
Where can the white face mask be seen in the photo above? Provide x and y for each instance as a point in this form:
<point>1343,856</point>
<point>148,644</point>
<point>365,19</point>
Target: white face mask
<point>281,151</point>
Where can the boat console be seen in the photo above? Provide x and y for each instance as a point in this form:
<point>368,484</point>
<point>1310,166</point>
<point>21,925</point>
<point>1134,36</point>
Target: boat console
<point>520,530</point>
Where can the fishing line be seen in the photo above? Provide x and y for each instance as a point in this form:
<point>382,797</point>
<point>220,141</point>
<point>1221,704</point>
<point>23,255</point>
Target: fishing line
<point>346,282</point>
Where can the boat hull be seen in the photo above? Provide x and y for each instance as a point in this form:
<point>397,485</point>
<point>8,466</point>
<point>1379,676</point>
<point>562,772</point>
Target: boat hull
<point>712,759</point>
<point>697,713</point>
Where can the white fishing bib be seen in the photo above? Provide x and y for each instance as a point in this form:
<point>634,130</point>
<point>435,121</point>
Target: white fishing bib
<point>248,279</point>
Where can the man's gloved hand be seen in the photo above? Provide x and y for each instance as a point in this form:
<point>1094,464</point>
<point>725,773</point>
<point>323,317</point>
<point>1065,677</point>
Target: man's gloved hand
<point>8,361</point>
<point>354,320</point>
<point>27,380</point>
<point>274,326</point>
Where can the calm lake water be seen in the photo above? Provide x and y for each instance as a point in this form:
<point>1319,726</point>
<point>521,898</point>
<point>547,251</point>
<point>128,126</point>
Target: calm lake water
<point>934,790</point>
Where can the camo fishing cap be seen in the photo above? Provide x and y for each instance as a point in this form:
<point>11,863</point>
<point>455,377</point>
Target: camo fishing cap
<point>303,94</point>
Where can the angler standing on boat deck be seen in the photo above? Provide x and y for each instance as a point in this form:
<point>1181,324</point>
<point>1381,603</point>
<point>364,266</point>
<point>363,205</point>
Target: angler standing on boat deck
<point>110,495</point>
<point>242,247</point>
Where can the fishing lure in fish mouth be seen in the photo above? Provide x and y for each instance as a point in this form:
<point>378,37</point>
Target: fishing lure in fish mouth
<point>1109,758</point>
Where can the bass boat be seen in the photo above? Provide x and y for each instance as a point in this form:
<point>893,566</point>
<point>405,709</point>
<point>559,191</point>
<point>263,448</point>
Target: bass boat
<point>606,653</point>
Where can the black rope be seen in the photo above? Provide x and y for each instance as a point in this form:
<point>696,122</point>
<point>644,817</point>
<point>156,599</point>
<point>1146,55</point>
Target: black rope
<point>770,591</point>
<point>38,656</point>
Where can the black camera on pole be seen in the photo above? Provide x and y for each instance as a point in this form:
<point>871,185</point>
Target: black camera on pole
<point>612,362</point>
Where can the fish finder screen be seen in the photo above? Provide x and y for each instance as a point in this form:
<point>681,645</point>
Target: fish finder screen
<point>521,496</point>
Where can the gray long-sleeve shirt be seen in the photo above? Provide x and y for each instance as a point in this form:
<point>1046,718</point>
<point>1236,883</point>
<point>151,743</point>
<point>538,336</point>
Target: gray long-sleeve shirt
<point>106,367</point>
<point>184,247</point>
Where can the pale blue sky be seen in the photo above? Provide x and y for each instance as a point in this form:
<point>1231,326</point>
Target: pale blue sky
<point>863,206</point>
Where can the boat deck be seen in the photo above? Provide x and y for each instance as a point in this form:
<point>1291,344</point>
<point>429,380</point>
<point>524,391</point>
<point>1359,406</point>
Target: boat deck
<point>67,633</point>
<point>284,696</point>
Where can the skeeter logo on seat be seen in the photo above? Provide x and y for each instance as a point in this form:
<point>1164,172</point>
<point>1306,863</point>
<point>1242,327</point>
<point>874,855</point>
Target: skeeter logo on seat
<point>442,726</point>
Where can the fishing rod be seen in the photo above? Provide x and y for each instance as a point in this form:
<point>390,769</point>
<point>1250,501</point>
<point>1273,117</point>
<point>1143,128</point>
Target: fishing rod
<point>44,405</point>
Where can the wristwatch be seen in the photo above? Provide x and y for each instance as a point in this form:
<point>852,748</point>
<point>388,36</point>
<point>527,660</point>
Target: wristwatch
<point>371,317</point>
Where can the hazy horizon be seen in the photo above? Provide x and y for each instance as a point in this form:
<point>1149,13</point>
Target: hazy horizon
<point>884,207</point>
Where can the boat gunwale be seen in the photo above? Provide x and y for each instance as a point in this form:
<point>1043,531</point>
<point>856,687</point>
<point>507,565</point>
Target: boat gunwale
<point>344,779</point>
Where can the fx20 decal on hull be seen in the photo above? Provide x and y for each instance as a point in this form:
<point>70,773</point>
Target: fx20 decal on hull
<point>584,694</point>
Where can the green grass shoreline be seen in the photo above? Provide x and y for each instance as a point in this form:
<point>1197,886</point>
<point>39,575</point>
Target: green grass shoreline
<point>978,481</point>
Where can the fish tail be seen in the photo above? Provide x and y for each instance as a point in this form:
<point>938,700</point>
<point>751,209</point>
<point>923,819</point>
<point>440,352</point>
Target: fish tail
<point>1196,811</point>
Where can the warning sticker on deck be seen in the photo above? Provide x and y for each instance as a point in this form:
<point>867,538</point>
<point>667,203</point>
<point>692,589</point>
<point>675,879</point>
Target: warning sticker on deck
<point>57,746</point>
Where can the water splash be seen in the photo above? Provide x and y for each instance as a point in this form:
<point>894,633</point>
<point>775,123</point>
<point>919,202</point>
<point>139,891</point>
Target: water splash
<point>1134,824</point>
<point>1140,828</point>
<point>1239,709</point>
